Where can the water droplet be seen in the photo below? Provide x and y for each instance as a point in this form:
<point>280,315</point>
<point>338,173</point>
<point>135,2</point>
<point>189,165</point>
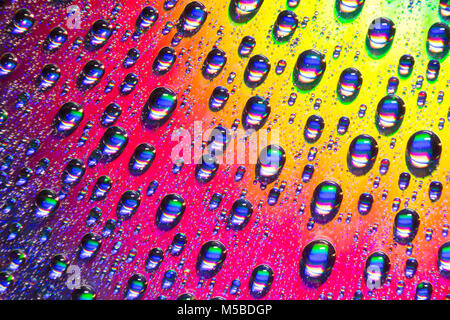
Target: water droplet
<point>389,115</point>
<point>256,72</point>
<point>112,144</point>
<point>406,224</point>
<point>326,201</point>
<point>164,61</point>
<point>207,168</point>
<point>285,26</point>
<point>255,113</point>
<point>309,69</point>
<point>438,40</point>
<point>240,214</point>
<point>170,212</point>
<point>8,63</point>
<point>128,205</point>
<point>214,63</point>
<point>380,36</point>
<point>406,65</point>
<point>423,153</point>
<point>317,262</point>
<point>313,128</point>
<point>159,107</point>
<point>349,85</point>
<point>73,172</point>
<point>376,269</point>
<point>136,287</point>
<point>270,163</point>
<point>91,74</point>
<point>46,204</point>
<point>98,35</point>
<point>362,154</point>
<point>192,19</point>
<point>242,11</point>
<point>211,258</point>
<point>260,281</point>
<point>142,159</point>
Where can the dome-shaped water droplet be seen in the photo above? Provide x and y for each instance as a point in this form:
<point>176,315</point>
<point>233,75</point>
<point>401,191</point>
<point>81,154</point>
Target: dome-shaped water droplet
<point>362,154</point>
<point>192,19</point>
<point>46,204</point>
<point>211,258</point>
<point>67,119</point>
<point>365,203</point>
<point>50,74</point>
<point>380,36</point>
<point>438,40</point>
<point>142,159</point>
<point>406,224</point>
<point>309,69</point>
<point>435,191</point>
<point>242,11</point>
<point>98,35</point>
<point>207,168</point>
<point>256,72</point>
<point>423,153</point>
<point>135,287</point>
<point>313,128</point>
<point>240,214</point>
<point>128,204</point>
<point>405,65</point>
<point>146,19</point>
<point>255,113</point>
<point>159,107</point>
<point>154,259</point>
<point>389,115</point>
<point>260,281</point>
<point>218,99</point>
<point>317,262</point>
<point>270,163</point>
<point>326,201</point>
<point>8,63</point>
<point>170,212</point>
<point>101,188</point>
<point>22,22</point>
<point>164,61</point>
<point>91,74</point>
<point>55,39</point>
<point>348,9</point>
<point>214,63</point>
<point>349,85</point>
<point>246,46</point>
<point>376,270</point>
<point>89,246</point>
<point>111,114</point>
<point>285,26</point>
<point>112,144</point>
<point>73,172</point>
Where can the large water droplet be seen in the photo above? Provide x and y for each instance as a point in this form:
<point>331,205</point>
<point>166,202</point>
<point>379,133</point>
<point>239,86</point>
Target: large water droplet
<point>362,154</point>
<point>423,153</point>
<point>317,262</point>
<point>159,107</point>
<point>380,36</point>
<point>389,114</point>
<point>406,224</point>
<point>260,281</point>
<point>211,258</point>
<point>309,69</point>
<point>270,163</point>
<point>326,201</point>
<point>170,212</point>
<point>242,11</point>
<point>255,113</point>
<point>349,85</point>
